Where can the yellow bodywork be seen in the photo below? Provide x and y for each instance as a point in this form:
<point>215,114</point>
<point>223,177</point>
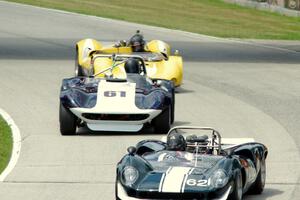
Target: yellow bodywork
<point>170,68</point>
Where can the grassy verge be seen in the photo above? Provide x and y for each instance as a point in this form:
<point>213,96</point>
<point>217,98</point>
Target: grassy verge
<point>5,144</point>
<point>211,17</point>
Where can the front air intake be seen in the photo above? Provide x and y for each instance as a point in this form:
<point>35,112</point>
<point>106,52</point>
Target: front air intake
<point>115,117</point>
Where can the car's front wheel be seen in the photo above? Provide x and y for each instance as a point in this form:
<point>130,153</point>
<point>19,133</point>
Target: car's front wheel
<point>67,121</point>
<point>162,122</point>
<point>116,191</point>
<point>237,192</point>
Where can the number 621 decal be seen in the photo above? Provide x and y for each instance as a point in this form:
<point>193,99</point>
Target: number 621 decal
<point>198,183</point>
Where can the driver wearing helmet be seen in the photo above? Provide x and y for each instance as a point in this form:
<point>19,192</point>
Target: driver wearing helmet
<point>137,42</point>
<point>176,142</point>
<point>176,146</point>
<point>175,150</point>
<point>132,66</point>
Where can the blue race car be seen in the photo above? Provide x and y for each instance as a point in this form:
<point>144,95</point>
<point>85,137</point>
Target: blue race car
<point>109,103</point>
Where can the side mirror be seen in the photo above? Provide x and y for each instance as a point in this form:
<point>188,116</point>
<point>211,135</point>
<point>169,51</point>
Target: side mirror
<point>176,53</point>
<point>131,150</point>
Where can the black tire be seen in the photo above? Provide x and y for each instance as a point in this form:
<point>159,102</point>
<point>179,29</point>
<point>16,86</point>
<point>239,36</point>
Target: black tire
<point>67,121</point>
<point>259,184</point>
<point>237,193</point>
<point>116,191</point>
<point>162,122</point>
<point>78,68</point>
<point>173,107</point>
<point>116,187</point>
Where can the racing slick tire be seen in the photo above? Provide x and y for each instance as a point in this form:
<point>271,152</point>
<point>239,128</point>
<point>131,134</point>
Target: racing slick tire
<point>67,121</point>
<point>259,184</point>
<point>237,193</point>
<point>116,191</point>
<point>78,68</point>
<point>162,123</point>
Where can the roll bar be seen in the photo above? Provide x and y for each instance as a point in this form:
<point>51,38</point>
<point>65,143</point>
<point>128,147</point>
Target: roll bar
<point>215,134</point>
<point>117,57</point>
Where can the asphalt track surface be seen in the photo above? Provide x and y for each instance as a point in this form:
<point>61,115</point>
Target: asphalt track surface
<point>243,89</point>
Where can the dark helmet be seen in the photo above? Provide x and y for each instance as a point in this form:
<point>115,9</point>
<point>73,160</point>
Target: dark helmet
<point>176,142</point>
<point>132,66</point>
<point>137,42</point>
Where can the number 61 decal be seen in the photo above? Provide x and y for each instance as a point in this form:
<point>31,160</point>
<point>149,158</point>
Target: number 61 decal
<point>114,93</point>
<point>198,183</point>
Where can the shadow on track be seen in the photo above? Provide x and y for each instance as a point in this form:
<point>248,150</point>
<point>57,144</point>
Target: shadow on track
<point>267,194</point>
<point>180,90</point>
<point>147,130</point>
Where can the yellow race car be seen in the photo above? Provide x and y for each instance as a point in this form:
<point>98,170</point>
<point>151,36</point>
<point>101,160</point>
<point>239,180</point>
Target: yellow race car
<point>160,64</point>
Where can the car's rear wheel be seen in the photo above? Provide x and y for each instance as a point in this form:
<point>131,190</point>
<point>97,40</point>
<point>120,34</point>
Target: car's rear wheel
<point>67,121</point>
<point>162,122</point>
<point>237,192</point>
<point>78,68</point>
<point>259,183</point>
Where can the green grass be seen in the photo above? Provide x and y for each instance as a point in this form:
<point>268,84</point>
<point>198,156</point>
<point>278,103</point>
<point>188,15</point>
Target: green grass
<point>211,17</point>
<point>5,144</point>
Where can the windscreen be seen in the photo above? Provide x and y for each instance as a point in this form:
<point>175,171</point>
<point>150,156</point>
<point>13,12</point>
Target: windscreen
<point>162,160</point>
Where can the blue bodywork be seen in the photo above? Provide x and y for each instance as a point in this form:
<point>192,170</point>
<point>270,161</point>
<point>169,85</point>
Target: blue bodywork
<point>150,94</point>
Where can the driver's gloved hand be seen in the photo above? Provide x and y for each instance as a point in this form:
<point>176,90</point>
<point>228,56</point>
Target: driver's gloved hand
<point>121,43</point>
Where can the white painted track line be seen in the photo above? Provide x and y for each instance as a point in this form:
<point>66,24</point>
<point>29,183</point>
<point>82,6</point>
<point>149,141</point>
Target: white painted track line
<point>16,144</point>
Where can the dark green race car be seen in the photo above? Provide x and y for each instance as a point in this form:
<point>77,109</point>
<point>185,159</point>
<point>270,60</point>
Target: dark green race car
<point>187,165</point>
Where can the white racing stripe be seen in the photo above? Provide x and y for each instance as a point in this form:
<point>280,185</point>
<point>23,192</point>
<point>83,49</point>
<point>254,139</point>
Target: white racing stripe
<point>163,179</point>
<point>173,180</point>
<point>161,182</point>
<point>185,179</point>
